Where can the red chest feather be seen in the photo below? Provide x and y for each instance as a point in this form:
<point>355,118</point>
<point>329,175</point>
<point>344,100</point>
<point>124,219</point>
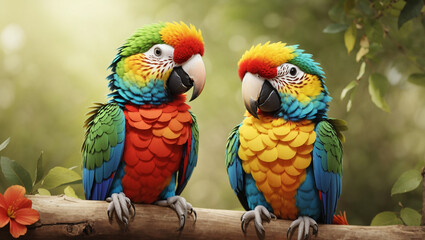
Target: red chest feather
<point>153,150</point>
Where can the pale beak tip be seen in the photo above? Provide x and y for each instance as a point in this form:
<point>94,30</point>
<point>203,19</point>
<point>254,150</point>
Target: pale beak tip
<point>195,68</point>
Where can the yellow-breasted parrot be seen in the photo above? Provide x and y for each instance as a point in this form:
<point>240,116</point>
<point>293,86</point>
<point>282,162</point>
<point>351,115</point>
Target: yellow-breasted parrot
<point>285,158</point>
<point>142,146</point>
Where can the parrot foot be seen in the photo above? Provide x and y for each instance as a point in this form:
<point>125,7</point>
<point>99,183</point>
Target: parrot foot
<point>181,207</point>
<point>259,214</point>
<point>303,223</point>
<point>121,204</point>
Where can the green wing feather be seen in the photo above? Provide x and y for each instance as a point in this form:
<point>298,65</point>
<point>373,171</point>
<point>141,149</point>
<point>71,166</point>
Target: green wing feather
<point>327,166</point>
<point>340,126</point>
<point>328,136</point>
<point>102,148</point>
<point>231,147</point>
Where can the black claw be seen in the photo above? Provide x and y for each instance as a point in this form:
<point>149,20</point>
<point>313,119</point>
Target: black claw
<point>242,216</point>
<point>261,234</point>
<point>243,226</point>
<point>109,215</point>
<point>289,233</point>
<point>306,236</point>
<point>260,229</point>
<point>273,216</point>
<point>315,229</point>
<point>195,214</point>
<point>182,222</point>
<point>134,210</point>
<point>125,221</point>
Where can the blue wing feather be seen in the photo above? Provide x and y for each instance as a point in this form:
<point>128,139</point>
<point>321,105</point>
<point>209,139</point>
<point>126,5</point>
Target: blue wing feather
<point>234,168</point>
<point>328,177</point>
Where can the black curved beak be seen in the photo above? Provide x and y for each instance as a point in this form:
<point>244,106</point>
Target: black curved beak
<point>269,100</point>
<point>179,81</point>
<point>258,93</point>
<point>189,74</point>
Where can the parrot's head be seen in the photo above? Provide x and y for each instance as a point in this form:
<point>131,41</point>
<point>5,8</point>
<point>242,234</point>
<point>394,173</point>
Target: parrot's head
<point>282,81</point>
<point>158,63</point>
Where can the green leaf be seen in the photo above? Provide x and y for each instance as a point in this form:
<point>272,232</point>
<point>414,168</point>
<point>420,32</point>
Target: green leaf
<point>374,48</point>
<point>336,13</point>
<point>39,171</point>
<point>410,217</point>
<point>408,181</point>
<point>361,71</point>
<point>16,174</point>
<point>350,38</point>
<point>70,192</point>
<point>374,31</point>
<point>348,5</point>
<point>335,28</point>
<point>417,79</point>
<point>411,10</point>
<point>58,176</point>
<point>365,8</point>
<point>43,191</point>
<point>347,88</point>
<point>4,144</point>
<point>386,218</point>
<point>350,102</point>
<point>73,167</point>
<point>364,48</point>
<point>378,85</point>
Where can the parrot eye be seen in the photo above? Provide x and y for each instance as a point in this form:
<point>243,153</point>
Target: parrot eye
<point>290,72</point>
<point>157,51</point>
<point>293,71</point>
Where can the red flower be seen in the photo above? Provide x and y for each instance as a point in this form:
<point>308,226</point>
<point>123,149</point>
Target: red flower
<point>16,209</point>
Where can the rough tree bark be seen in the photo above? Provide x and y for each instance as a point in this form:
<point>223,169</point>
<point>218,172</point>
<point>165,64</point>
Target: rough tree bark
<point>65,217</point>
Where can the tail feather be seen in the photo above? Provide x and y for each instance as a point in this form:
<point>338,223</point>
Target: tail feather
<point>340,219</point>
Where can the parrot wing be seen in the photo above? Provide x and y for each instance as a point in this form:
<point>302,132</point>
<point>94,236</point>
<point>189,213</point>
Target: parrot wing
<point>190,157</point>
<point>327,167</point>
<point>102,149</point>
<point>234,167</point>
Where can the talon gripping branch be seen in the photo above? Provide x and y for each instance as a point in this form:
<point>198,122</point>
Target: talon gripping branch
<point>142,145</point>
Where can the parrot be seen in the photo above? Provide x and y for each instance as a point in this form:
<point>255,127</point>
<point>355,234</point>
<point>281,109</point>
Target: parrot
<point>142,145</point>
<point>284,160</point>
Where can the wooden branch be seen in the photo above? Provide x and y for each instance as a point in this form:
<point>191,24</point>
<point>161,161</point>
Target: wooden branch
<point>65,217</point>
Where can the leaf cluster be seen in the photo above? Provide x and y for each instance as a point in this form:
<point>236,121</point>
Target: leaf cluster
<point>375,30</point>
<point>408,181</point>
<point>43,182</point>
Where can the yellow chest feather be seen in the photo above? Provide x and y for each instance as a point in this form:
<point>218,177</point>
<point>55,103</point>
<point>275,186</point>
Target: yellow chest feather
<point>276,153</point>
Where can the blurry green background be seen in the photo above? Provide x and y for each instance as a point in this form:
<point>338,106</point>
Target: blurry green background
<point>53,60</point>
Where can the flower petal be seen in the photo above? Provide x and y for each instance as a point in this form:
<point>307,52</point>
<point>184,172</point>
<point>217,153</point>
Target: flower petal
<point>22,202</point>
<point>17,229</point>
<point>3,203</point>
<point>26,216</point>
<point>4,219</point>
<point>13,193</point>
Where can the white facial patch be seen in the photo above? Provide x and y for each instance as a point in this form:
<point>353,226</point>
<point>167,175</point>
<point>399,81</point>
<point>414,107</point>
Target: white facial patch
<point>160,58</point>
<point>287,74</point>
